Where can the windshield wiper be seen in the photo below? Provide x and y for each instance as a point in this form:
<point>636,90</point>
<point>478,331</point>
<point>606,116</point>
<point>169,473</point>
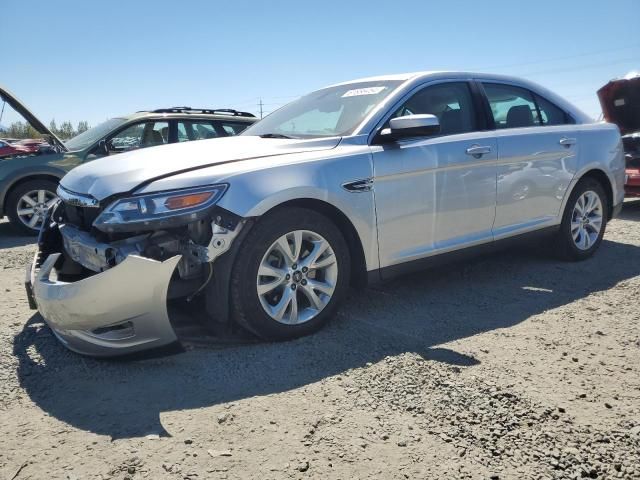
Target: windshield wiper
<point>273,135</point>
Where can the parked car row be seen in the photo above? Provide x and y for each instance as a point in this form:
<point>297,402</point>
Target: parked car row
<point>30,170</point>
<point>353,183</point>
<point>12,147</point>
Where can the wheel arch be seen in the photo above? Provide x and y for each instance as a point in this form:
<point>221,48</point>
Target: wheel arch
<point>602,178</point>
<point>333,213</point>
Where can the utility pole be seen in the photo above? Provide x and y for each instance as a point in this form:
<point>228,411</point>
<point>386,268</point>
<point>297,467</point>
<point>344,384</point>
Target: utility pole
<point>260,105</point>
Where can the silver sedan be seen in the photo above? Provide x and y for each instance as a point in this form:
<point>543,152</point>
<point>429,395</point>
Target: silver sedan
<point>353,183</point>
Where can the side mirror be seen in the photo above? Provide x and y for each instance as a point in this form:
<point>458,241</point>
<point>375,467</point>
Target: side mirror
<point>423,125</point>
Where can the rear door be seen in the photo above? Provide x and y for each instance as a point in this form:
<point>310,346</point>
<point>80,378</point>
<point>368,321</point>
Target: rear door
<point>537,158</point>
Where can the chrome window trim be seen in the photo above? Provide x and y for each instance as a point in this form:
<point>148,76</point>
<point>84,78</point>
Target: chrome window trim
<point>482,81</point>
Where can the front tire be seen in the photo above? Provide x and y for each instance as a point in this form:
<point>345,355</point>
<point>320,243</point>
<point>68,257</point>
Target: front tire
<point>584,221</point>
<point>28,202</point>
<point>291,274</point>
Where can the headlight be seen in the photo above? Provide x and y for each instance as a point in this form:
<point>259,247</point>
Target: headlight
<point>157,210</point>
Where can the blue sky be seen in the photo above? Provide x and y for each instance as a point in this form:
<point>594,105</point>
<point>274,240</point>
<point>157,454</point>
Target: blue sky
<point>94,60</point>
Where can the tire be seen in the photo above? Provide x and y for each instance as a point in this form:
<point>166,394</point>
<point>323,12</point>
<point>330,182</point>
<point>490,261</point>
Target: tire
<point>260,252</point>
<point>17,206</point>
<point>575,243</point>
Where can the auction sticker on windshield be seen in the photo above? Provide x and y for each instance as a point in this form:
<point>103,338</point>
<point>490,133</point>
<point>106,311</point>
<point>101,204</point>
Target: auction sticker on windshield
<point>363,91</point>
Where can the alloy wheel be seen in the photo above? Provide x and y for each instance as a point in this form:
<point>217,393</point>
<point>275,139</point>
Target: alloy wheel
<point>586,220</point>
<point>297,277</point>
<point>33,206</point>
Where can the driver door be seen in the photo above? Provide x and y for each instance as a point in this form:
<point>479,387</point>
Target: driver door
<point>436,194</point>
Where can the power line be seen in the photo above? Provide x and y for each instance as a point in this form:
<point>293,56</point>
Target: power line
<point>582,67</point>
<point>567,57</point>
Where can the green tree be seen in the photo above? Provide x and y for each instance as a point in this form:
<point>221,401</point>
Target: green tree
<point>83,126</point>
<point>66,130</point>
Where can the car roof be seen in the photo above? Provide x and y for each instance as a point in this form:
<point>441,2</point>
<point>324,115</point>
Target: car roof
<point>412,79</point>
<point>428,74</point>
<point>189,112</point>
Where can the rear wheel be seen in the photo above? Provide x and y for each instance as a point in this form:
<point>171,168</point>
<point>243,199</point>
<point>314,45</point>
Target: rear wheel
<point>28,202</point>
<point>291,273</point>
<point>584,221</point>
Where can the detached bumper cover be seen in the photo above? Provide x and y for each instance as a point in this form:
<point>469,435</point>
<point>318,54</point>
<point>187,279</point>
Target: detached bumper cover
<point>119,311</point>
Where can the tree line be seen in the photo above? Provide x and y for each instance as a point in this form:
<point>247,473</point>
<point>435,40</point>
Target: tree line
<point>65,131</point>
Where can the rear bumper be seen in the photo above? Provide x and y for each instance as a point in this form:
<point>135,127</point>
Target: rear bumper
<point>119,311</point>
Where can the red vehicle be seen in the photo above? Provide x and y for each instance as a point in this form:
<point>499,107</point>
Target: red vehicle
<point>8,149</point>
<point>620,101</point>
<point>32,143</point>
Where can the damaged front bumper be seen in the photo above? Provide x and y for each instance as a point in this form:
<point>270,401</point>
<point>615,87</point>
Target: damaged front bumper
<point>108,297</point>
<point>119,311</point>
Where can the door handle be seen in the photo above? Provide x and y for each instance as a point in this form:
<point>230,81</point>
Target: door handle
<point>477,150</point>
<point>567,142</point>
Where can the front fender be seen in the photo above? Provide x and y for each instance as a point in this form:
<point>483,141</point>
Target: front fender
<point>255,193</point>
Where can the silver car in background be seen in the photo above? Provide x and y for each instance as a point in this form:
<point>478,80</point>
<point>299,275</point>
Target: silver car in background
<point>350,184</point>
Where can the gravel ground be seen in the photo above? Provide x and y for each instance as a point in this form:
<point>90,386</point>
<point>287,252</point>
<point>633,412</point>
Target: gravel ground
<point>509,366</point>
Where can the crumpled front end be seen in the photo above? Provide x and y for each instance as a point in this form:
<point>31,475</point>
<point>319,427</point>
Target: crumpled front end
<point>106,295</point>
<point>121,310</point>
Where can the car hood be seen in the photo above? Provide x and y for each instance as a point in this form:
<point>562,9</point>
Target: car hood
<point>620,101</point>
<point>125,172</point>
<point>19,107</point>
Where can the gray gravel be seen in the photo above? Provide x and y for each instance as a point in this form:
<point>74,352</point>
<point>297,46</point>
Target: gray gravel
<point>509,366</point>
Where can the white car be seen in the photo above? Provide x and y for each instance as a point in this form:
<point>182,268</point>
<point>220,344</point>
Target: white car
<point>352,183</point>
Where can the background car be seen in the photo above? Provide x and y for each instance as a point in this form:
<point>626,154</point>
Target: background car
<point>620,101</point>
<point>10,149</point>
<point>28,181</point>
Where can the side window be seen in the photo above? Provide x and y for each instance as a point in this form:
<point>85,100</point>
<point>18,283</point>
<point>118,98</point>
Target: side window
<point>140,135</point>
<point>512,107</point>
<point>233,128</point>
<point>189,130</point>
<point>551,115</point>
<point>450,102</point>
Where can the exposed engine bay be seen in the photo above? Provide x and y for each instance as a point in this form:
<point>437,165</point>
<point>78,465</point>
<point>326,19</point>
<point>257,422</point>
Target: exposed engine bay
<point>88,251</point>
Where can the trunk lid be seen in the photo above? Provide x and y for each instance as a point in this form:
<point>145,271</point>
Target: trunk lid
<point>620,101</point>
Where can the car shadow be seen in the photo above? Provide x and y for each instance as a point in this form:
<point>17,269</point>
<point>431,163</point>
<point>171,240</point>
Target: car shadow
<point>630,210</point>
<point>10,237</point>
<point>418,313</point>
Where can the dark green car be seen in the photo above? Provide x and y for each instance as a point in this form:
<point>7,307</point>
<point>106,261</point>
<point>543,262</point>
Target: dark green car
<point>28,182</point>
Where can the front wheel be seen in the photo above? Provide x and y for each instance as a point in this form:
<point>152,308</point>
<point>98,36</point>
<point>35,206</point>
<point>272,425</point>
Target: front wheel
<point>291,273</point>
<point>28,203</point>
<point>583,222</point>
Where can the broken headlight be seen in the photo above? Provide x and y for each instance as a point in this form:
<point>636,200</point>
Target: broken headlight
<point>159,210</point>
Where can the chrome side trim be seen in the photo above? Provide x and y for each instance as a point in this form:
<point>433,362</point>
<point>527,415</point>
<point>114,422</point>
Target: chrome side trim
<point>76,199</point>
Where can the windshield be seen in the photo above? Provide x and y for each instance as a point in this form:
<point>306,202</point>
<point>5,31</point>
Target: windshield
<point>91,136</point>
<point>333,111</point>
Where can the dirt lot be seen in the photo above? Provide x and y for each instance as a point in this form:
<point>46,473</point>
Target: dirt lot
<point>510,366</point>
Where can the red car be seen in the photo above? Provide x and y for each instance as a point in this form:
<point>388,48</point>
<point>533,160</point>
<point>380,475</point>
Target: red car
<point>620,101</point>
<point>7,149</point>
